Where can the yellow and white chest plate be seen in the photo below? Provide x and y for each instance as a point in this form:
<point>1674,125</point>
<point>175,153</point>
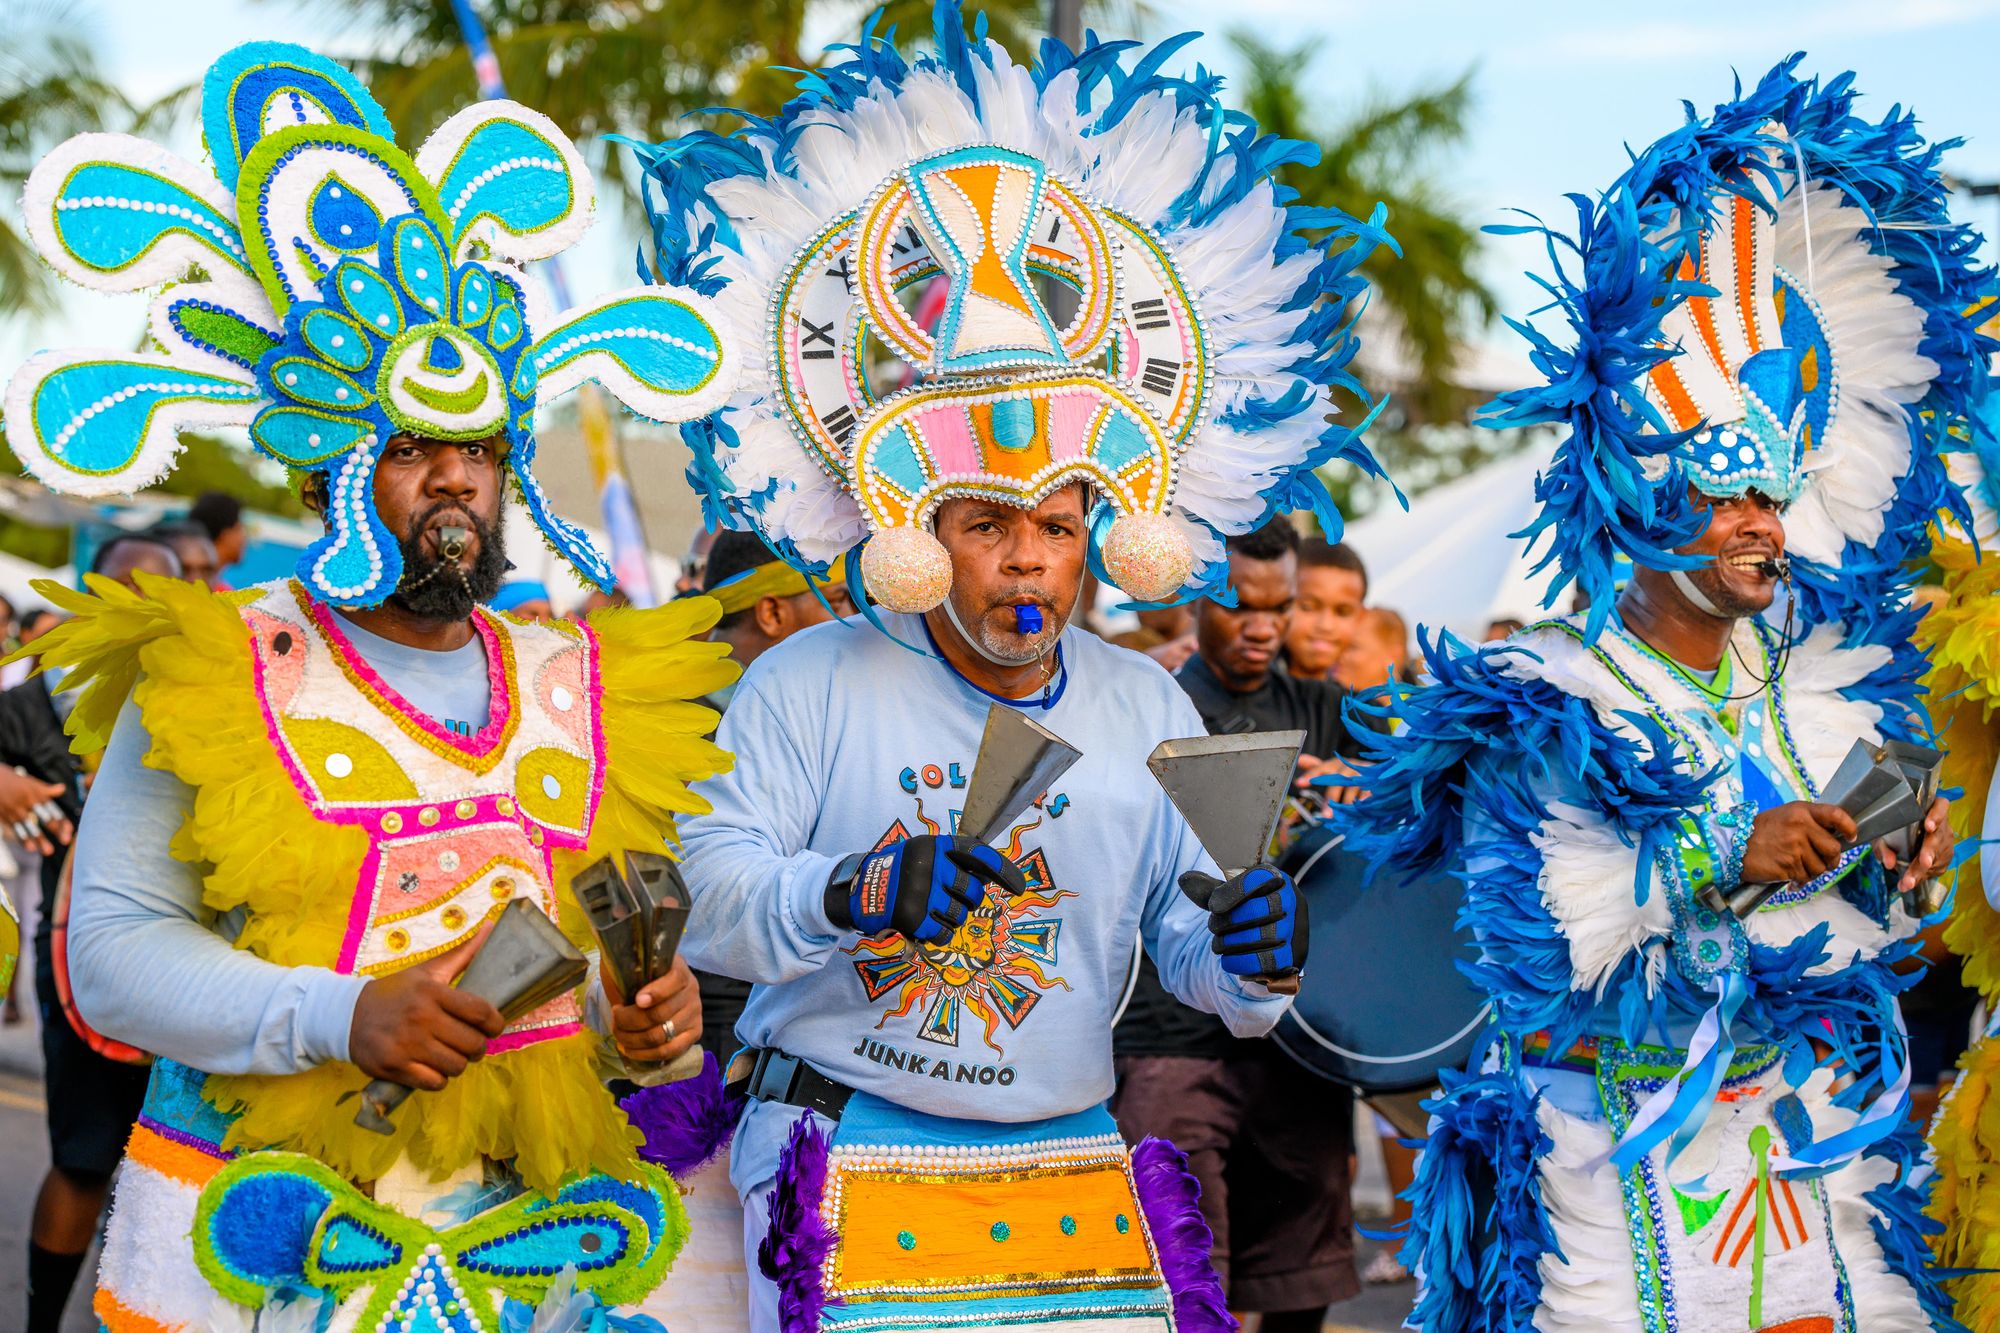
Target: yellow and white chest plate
<point>458,824</point>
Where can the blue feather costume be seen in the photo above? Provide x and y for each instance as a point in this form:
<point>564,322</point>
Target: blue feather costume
<point>1655,1137</point>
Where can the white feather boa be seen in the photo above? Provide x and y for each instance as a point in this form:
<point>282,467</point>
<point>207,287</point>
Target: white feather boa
<point>1588,872</point>
<point>1139,166</point>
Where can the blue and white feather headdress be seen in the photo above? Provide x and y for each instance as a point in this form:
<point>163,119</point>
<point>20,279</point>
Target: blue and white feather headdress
<point>881,253</point>
<point>1772,298</point>
<point>328,291</point>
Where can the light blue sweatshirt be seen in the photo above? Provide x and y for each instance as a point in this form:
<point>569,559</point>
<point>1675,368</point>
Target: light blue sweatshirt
<point>151,966</point>
<point>845,740</point>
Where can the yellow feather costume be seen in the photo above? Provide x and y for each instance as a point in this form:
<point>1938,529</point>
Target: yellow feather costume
<point>1962,637</point>
<point>188,660</point>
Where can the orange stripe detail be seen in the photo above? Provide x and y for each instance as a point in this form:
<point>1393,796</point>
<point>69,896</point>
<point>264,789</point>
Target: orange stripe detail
<point>1792,1199</point>
<point>176,1161</point>
<point>1777,1218</point>
<point>121,1318</point>
<point>1701,309</point>
<point>1730,1226</point>
<point>1749,1234</point>
<point>1746,272</point>
<point>1679,403</point>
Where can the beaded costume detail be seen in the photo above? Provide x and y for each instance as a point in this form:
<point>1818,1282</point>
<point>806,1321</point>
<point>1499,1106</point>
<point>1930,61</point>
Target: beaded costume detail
<point>358,835</point>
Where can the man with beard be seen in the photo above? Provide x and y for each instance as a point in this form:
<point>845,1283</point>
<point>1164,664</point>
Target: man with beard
<point>832,844</point>
<point>324,796</point>
<point>929,1041</point>
<point>151,956</point>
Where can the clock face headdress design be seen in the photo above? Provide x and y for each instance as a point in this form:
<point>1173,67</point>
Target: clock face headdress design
<point>327,291</point>
<point>1772,298</point>
<point>955,276</point>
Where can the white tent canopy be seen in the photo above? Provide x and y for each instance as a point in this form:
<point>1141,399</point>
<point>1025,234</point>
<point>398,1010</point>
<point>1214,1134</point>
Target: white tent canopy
<point>1451,560</point>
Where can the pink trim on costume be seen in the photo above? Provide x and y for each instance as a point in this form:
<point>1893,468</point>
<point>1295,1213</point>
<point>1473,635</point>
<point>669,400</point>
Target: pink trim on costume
<point>1070,415</point>
<point>514,1041</point>
<point>594,695</point>
<point>947,429</point>
<point>361,907</point>
<point>272,732</point>
<point>486,810</point>
<point>500,711</point>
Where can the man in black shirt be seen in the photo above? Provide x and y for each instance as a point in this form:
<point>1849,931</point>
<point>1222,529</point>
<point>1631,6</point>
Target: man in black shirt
<point>1268,1140</point>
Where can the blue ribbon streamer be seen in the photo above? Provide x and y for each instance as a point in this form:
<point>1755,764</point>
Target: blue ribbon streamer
<point>1884,1114</point>
<point>1676,1113</point>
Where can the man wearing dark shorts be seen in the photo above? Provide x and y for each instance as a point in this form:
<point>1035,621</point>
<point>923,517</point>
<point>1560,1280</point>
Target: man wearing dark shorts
<point>1268,1141</point>
<point>92,1099</point>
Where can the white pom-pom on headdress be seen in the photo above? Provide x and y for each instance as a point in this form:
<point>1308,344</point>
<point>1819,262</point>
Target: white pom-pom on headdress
<point>906,569</point>
<point>1147,557</point>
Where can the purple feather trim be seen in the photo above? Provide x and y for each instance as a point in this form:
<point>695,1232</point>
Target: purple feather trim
<point>1171,1198</point>
<point>793,1253</point>
<point>686,1124</point>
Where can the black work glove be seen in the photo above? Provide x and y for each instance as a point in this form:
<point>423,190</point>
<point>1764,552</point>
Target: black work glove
<point>921,887</point>
<point>1258,920</point>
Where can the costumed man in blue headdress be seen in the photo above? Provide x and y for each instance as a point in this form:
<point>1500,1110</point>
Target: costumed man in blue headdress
<point>1691,1112</point>
<point>319,794</point>
<point>928,1045</point>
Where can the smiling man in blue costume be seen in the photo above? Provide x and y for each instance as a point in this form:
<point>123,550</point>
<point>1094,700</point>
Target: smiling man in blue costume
<point>929,1043</point>
<point>319,792</point>
<point>1692,1115</point>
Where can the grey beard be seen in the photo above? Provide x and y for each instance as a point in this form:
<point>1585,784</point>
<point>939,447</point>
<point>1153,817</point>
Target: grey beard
<point>1002,654</point>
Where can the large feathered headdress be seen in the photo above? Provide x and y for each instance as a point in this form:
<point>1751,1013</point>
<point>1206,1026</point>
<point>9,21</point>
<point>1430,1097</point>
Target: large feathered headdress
<point>956,276</point>
<point>1771,298</point>
<point>328,291</point>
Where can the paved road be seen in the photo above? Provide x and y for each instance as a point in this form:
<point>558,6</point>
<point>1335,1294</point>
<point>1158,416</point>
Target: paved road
<point>24,1156</point>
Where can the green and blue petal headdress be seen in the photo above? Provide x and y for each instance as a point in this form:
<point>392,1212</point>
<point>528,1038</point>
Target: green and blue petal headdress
<point>328,291</point>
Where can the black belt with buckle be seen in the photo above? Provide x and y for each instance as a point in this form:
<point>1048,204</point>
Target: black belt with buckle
<point>770,1075</point>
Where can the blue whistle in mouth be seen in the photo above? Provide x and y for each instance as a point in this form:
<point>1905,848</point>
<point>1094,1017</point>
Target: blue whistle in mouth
<point>1028,619</point>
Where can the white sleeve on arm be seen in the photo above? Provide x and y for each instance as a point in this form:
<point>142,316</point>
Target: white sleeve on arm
<point>1177,935</point>
<point>759,895</point>
<point>146,963</point>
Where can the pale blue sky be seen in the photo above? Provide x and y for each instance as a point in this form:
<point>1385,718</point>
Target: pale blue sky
<point>1561,85</point>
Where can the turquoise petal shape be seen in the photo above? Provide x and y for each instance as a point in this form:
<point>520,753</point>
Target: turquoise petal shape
<point>511,173</point>
<point>306,381</point>
<point>108,216</point>
<point>339,339</point>
<point>660,343</point>
<point>507,327</point>
<point>422,266</point>
<point>349,1246</point>
<point>94,417</point>
<point>369,296</point>
<point>303,437</point>
<point>475,297</point>
<point>262,86</point>
<point>550,1244</point>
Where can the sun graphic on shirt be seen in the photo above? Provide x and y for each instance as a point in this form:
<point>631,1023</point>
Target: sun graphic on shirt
<point>992,966</point>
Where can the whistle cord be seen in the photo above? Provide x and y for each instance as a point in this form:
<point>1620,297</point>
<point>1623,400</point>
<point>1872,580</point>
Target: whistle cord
<point>1053,684</point>
<point>1780,660</point>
